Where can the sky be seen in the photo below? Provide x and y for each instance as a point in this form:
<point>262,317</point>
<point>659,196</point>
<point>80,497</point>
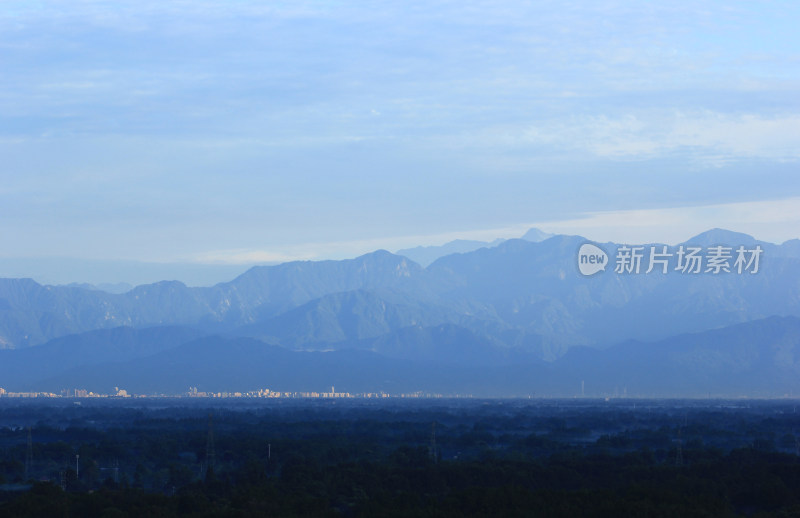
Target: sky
<point>236,133</point>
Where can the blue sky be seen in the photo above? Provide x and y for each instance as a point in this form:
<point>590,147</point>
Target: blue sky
<point>243,132</point>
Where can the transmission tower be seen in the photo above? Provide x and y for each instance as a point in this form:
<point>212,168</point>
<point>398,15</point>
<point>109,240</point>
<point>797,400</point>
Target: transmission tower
<point>209,467</point>
<point>29,456</point>
<point>433,442</point>
<point>679,452</point>
<point>114,468</point>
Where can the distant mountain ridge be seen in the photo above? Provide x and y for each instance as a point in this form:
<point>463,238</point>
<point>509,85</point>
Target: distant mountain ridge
<point>758,359</point>
<point>517,303</point>
<point>425,255</point>
<point>533,287</point>
<point>22,366</point>
<point>31,314</point>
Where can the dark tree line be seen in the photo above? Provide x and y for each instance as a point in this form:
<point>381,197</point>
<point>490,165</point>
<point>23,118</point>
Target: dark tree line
<point>480,459</point>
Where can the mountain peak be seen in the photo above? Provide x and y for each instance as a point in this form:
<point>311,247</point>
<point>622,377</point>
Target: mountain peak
<point>380,254</point>
<point>721,236</point>
<point>425,255</point>
<point>383,262</point>
<point>535,235</point>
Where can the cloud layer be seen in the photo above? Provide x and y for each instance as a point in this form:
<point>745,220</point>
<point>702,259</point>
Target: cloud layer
<point>165,130</point>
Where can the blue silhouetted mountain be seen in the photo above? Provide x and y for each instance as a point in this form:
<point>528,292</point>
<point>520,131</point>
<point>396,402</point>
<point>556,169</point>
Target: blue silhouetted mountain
<point>447,345</point>
<point>790,248</point>
<point>117,287</point>
<point>503,307</point>
<point>239,364</point>
<point>722,237</point>
<point>31,314</point>
<point>425,255</point>
<point>19,367</point>
<point>265,291</point>
<point>732,240</point>
<point>537,287</point>
<point>348,316</point>
<point>535,235</point>
<point>759,358</point>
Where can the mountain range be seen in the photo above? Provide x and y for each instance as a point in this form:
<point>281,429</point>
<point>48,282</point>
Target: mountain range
<point>508,318</point>
<point>425,255</point>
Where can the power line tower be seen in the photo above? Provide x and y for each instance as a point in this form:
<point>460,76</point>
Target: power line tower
<point>433,451</point>
<point>679,451</point>
<point>114,468</point>
<point>29,456</point>
<point>210,454</point>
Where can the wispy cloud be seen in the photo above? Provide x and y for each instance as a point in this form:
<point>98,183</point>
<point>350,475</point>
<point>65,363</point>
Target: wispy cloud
<point>244,256</point>
<point>126,123</point>
<point>348,248</point>
<point>706,136</point>
<point>769,220</point>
